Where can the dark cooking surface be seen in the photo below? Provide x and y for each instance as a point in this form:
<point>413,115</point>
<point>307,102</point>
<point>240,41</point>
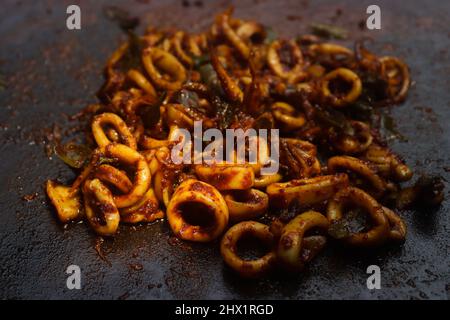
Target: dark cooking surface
<point>50,70</point>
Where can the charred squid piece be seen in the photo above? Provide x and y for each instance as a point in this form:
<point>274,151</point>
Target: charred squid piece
<point>295,248</point>
<point>354,142</point>
<point>248,268</point>
<point>231,88</point>
<point>426,192</point>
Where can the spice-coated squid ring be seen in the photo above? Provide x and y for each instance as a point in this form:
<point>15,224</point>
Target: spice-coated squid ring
<point>66,201</point>
<point>295,72</point>
<point>306,192</point>
<point>230,86</point>
<point>330,49</point>
<point>361,168</point>
<point>248,268</point>
<point>197,211</point>
<point>393,68</point>
<point>154,59</point>
<point>286,115</point>
<point>355,143</point>
<point>100,208</point>
<point>263,181</point>
<point>344,98</point>
<point>142,82</point>
<point>291,243</point>
<point>388,164</point>
<point>223,22</point>
<point>114,176</point>
<point>379,232</point>
<point>145,210</point>
<point>142,178</point>
<point>251,31</point>
<point>226,176</point>
<point>177,42</point>
<point>397,227</point>
<point>246,204</point>
<point>119,126</point>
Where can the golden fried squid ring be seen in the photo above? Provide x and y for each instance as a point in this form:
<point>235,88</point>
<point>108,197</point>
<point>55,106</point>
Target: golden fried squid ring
<point>295,71</point>
<point>142,82</point>
<point>230,87</point>
<point>246,204</point>
<point>154,58</point>
<point>114,176</point>
<point>291,250</point>
<point>287,116</point>
<point>398,78</point>
<point>248,268</point>
<point>101,211</point>
<point>251,31</point>
<point>223,22</point>
<point>388,164</point>
<point>306,192</point>
<point>145,210</point>
<point>142,177</point>
<point>66,201</point>
<point>340,99</point>
<point>197,212</point>
<point>359,141</point>
<point>379,232</point>
<point>226,176</point>
<point>362,169</point>
<point>119,126</point>
<point>397,231</point>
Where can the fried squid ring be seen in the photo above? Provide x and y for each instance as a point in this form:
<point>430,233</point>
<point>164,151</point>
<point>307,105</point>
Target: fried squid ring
<point>142,177</point>
<point>379,232</point>
<point>359,141</point>
<point>223,22</point>
<point>197,212</point>
<point>226,176</point>
<point>264,180</point>
<point>114,176</point>
<point>145,210</point>
<point>154,59</point>
<point>287,116</point>
<point>101,211</point>
<point>397,227</point>
<point>340,99</point>
<point>291,247</point>
<point>306,192</point>
<point>119,126</point>
<point>177,42</point>
<point>248,268</point>
<point>231,88</point>
<point>246,204</point>
<point>65,200</point>
<point>362,169</point>
<point>398,77</point>
<point>335,51</point>
<point>251,32</point>
<point>142,82</point>
<point>295,69</point>
<point>388,163</point>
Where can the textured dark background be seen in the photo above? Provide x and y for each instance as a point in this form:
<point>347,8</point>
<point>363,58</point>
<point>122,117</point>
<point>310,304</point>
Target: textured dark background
<point>49,70</point>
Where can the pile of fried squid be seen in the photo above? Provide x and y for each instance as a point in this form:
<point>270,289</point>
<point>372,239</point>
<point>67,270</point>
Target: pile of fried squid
<point>336,178</point>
